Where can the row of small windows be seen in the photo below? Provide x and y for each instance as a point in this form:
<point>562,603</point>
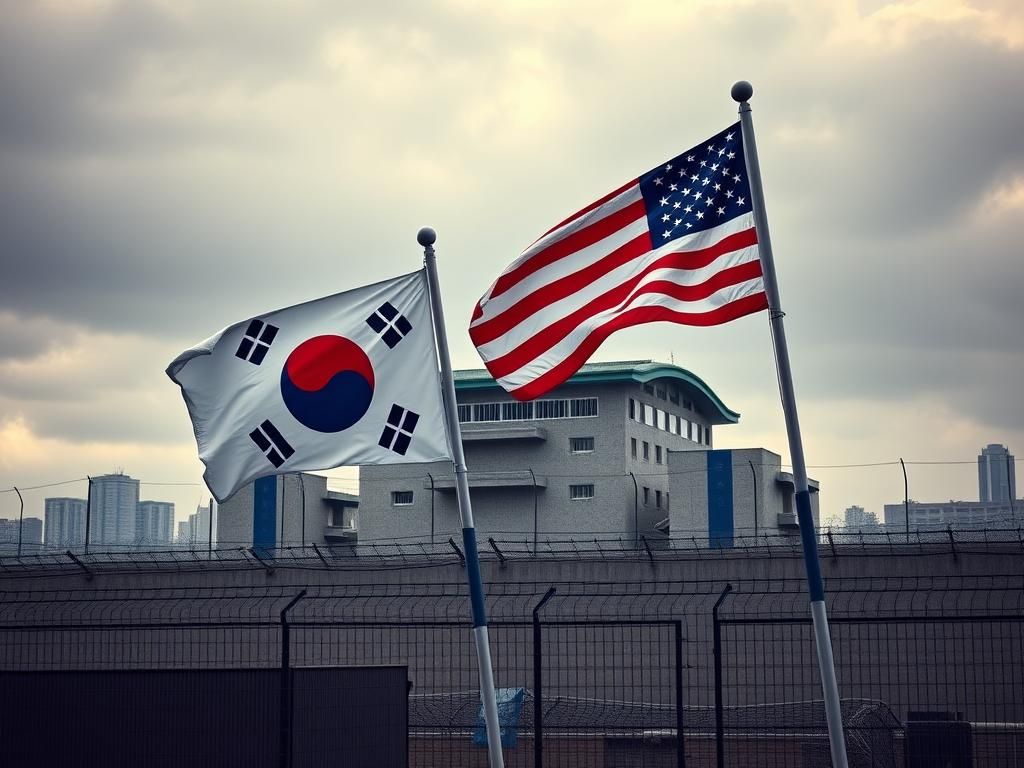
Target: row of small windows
<point>566,408</point>
<point>668,393</point>
<point>659,454</point>
<point>577,492</point>
<point>669,422</point>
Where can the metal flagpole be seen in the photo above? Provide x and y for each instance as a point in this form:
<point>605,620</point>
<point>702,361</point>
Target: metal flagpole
<point>741,92</point>
<point>426,238</point>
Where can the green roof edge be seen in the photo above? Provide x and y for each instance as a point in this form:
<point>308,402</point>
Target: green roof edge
<point>641,371</point>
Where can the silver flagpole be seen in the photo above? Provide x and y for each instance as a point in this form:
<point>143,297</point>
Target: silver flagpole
<point>741,92</point>
<point>426,238</point>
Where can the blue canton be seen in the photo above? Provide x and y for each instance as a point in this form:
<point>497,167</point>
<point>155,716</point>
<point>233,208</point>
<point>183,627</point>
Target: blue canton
<point>700,189</point>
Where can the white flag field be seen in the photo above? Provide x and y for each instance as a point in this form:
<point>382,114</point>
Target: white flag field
<point>345,380</point>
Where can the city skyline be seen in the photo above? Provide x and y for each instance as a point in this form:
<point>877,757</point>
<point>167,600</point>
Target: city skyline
<point>164,177</point>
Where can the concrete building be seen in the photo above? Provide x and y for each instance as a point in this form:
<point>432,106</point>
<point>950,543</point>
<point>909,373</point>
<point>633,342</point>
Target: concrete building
<point>997,474</point>
<point>295,509</point>
<point>589,459</point>
<point>64,523</point>
<point>114,499</point>
<point>953,514</point>
<point>719,495</point>
<point>154,523</point>
<point>31,534</point>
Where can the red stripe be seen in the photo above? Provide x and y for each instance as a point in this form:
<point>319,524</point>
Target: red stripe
<point>545,339</point>
<point>638,316</point>
<point>551,292</point>
<point>596,204</point>
<point>536,345</point>
<point>578,240</point>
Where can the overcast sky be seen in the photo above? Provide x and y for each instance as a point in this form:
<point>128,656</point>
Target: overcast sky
<point>168,168</point>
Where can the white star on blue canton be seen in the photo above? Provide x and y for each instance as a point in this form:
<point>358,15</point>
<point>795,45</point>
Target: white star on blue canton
<point>739,201</point>
<point>664,201</point>
<point>728,136</point>
<point>657,181</point>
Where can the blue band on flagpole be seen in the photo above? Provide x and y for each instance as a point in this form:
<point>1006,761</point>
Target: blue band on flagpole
<point>815,585</point>
<point>476,586</point>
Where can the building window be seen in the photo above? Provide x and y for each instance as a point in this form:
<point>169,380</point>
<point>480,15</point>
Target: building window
<point>580,492</point>
<point>660,391</point>
<point>684,428</point>
<point>632,446</point>
<point>663,421</point>
<point>487,412</point>
<point>516,411</point>
<point>657,499</point>
<point>401,498</point>
<point>673,396</point>
<point>581,407</point>
<point>649,389</point>
<point>581,444</point>
<point>700,434</point>
<point>657,454</point>
<point>707,435</point>
<point>675,425</point>
<point>649,415</point>
<point>647,451</point>
<point>647,495</point>
<point>632,409</point>
<point>688,405</point>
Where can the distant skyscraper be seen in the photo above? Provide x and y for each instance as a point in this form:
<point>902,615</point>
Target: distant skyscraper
<point>154,523</point>
<point>996,474</point>
<point>65,523</point>
<point>115,500</point>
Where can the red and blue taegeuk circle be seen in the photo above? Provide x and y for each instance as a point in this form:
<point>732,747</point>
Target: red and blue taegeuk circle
<point>327,383</point>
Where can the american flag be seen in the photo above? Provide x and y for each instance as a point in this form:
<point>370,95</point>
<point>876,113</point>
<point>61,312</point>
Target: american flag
<point>677,244</point>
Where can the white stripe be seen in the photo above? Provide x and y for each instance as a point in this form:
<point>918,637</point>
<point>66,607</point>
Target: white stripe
<point>541,319</point>
<point>570,343</point>
<point>628,197</point>
<point>559,269</point>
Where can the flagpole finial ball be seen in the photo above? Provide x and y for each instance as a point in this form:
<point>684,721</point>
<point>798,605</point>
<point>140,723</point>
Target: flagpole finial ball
<point>426,236</point>
<point>742,91</point>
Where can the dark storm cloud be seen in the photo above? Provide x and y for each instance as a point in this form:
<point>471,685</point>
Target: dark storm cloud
<point>117,212</point>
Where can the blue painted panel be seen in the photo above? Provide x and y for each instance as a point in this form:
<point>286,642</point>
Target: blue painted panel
<point>264,514</point>
<point>720,513</point>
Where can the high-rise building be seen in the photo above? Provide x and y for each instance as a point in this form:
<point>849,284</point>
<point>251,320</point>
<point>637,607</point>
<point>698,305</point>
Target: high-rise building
<point>856,518</point>
<point>154,523</point>
<point>997,473</point>
<point>115,500</point>
<point>65,522</point>
<point>31,534</point>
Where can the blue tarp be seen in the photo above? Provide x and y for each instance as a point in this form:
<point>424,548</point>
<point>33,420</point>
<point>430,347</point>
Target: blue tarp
<point>510,708</point>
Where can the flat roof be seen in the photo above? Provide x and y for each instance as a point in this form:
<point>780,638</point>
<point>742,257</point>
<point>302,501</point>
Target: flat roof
<point>640,371</point>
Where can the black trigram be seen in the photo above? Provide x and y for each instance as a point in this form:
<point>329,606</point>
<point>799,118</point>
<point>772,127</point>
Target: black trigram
<point>272,443</point>
<point>256,342</point>
<point>398,433</point>
<point>391,326</point>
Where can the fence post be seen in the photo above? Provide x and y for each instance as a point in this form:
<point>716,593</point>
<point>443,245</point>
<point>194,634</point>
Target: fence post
<point>680,745</point>
<point>285,701</point>
<point>719,710</point>
<point>538,679</point>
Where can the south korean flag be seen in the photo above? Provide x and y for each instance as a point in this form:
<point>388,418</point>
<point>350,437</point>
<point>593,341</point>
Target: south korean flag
<point>346,380</point>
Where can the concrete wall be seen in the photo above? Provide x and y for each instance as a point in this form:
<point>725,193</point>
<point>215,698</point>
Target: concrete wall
<point>234,519</point>
<point>754,484</point>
